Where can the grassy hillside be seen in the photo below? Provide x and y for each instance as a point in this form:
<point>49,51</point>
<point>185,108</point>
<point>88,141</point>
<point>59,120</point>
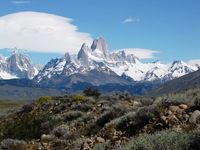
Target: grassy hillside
<point>117,121</point>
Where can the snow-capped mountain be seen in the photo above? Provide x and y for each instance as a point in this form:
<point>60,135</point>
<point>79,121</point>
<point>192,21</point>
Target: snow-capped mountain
<point>17,66</point>
<point>98,60</point>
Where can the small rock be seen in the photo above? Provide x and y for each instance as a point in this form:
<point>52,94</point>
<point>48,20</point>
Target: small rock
<point>98,105</point>
<point>47,137</point>
<point>163,118</point>
<point>174,118</point>
<point>180,111</point>
<point>194,117</point>
<point>100,139</point>
<point>169,112</point>
<point>115,137</point>
<point>183,106</point>
<point>179,116</point>
<point>90,143</point>
<point>85,146</point>
<point>88,113</point>
<point>173,108</point>
<point>118,142</point>
<point>186,117</point>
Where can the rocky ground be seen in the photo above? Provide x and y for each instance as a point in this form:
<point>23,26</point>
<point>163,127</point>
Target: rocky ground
<point>116,121</point>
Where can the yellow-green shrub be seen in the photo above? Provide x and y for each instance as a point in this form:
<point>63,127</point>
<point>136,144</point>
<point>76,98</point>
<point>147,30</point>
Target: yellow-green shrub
<point>78,97</point>
<point>43,99</point>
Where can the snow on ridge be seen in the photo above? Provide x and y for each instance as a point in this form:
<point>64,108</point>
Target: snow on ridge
<point>5,75</point>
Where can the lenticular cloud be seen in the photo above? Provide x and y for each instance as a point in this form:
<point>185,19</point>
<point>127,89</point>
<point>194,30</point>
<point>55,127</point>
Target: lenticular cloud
<point>139,52</point>
<point>41,32</point>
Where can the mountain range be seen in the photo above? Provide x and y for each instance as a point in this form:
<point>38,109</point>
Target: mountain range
<point>185,82</point>
<point>98,67</point>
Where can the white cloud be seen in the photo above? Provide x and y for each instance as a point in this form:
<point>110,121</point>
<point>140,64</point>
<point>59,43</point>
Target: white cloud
<point>41,32</point>
<point>21,2</point>
<point>128,20</point>
<point>140,53</point>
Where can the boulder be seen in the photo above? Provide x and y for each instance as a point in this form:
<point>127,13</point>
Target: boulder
<point>194,116</point>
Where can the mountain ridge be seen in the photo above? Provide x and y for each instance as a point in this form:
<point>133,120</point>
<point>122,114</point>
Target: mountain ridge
<point>96,66</point>
<point>185,82</point>
<point>98,56</point>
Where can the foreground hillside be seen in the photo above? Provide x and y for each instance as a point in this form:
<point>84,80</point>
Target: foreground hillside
<point>117,121</point>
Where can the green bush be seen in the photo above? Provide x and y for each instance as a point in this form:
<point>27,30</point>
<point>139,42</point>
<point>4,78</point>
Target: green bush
<point>89,91</point>
<point>25,127</point>
<point>195,140</point>
<point>78,97</point>
<point>43,99</point>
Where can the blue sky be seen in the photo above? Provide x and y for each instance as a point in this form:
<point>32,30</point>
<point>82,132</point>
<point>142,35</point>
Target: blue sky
<point>171,27</point>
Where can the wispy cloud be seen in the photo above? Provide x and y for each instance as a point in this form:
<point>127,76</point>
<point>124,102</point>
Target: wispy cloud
<point>128,20</point>
<point>139,52</point>
<point>41,32</point>
<point>21,2</point>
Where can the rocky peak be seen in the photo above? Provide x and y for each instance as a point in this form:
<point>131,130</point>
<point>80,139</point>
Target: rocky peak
<point>122,56</point>
<point>102,46</point>
<point>131,58</point>
<point>2,59</point>
<point>83,55</point>
<point>21,65</point>
<point>67,57</point>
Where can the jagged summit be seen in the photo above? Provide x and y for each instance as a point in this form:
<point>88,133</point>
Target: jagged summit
<point>101,46</point>
<point>17,66</point>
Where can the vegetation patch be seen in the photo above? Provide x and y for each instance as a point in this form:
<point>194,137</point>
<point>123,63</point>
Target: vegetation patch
<point>78,97</point>
<point>43,99</point>
<point>25,127</point>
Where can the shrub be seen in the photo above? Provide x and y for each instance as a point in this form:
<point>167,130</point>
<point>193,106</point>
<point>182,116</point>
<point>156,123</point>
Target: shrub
<point>163,140</point>
<point>195,140</point>
<point>43,99</point>
<point>89,91</point>
<point>23,128</point>
<point>100,146</point>
<point>60,130</point>
<point>11,144</point>
<point>134,121</point>
<point>105,118</point>
<point>197,101</point>
<point>78,97</point>
<point>72,115</point>
<point>111,114</point>
<point>59,144</point>
<point>27,108</point>
<point>83,107</point>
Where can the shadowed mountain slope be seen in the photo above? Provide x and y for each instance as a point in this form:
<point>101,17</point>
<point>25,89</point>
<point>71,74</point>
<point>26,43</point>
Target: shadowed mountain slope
<point>188,81</point>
